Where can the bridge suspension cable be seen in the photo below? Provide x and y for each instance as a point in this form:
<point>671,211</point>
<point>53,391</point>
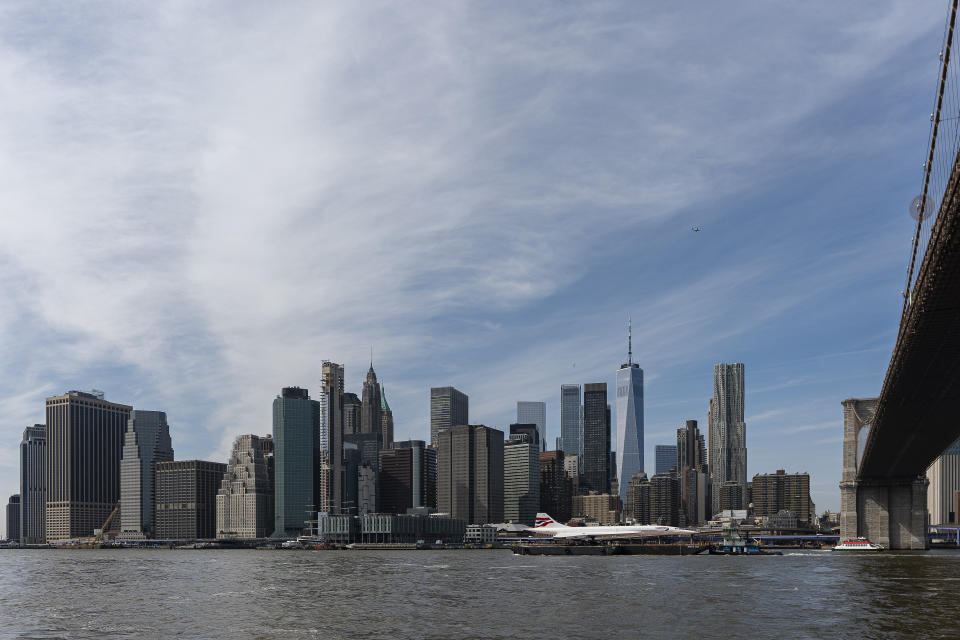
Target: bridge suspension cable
<point>940,161</point>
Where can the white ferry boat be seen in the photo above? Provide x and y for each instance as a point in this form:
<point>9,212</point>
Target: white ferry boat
<point>860,544</point>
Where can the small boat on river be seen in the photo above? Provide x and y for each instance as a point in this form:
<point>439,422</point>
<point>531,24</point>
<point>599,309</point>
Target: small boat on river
<point>860,545</point>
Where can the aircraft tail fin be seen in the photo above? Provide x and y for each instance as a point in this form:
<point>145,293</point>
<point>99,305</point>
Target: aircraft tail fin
<point>544,521</point>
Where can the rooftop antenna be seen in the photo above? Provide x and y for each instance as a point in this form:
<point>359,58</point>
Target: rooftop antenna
<point>629,340</point>
<point>371,356</point>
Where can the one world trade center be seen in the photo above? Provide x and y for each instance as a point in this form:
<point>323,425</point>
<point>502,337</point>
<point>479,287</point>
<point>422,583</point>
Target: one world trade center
<point>629,418</point>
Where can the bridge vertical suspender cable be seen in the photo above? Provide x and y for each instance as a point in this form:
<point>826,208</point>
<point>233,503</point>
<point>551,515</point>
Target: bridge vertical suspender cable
<point>933,143</point>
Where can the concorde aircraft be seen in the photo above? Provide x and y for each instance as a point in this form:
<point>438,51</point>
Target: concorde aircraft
<point>547,525</point>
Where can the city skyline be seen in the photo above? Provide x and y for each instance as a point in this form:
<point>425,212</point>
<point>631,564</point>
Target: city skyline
<point>480,285</point>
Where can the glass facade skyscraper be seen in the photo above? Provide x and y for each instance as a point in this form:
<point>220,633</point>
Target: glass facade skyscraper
<point>145,442</point>
<point>666,458</point>
<point>629,418</point>
<point>570,423</point>
<point>596,439</point>
<point>295,423</point>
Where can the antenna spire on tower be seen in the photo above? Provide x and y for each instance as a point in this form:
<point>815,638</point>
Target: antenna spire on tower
<point>629,340</point>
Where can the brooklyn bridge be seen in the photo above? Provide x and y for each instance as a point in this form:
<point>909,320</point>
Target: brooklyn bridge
<point>890,440</point>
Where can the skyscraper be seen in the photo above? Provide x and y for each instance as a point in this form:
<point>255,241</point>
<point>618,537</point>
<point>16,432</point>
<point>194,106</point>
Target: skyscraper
<point>424,481</point>
<point>596,439</point>
<point>556,487</point>
<point>371,400</point>
<point>528,429</point>
<point>396,480</point>
<point>295,420</point>
<point>521,479</point>
<point>13,518</point>
<point>534,413</point>
<point>727,438</point>
<point>665,500</point>
<point>33,484</point>
<point>84,442</point>
<point>448,408</point>
<point>329,496</point>
<point>666,458</point>
<point>629,417</point>
<point>637,505</point>
<point>386,420</point>
<point>691,448</point>
<point>186,498</point>
<point>692,470</point>
<point>944,477</point>
<point>570,419</point>
<point>245,497</point>
<point>470,473</point>
<point>351,413</point>
<point>773,492</point>
<point>146,442</point>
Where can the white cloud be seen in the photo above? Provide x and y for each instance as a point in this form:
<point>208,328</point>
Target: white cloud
<point>200,205</point>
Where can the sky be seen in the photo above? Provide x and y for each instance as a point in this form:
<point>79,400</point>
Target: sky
<point>201,202</point>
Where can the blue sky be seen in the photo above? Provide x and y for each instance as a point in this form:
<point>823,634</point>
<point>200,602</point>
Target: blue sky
<point>201,202</point>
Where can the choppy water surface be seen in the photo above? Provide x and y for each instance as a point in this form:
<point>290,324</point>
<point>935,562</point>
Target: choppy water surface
<point>473,594</point>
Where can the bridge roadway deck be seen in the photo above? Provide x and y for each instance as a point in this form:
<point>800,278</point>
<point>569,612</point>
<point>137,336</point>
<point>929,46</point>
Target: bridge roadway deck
<point>918,411</point>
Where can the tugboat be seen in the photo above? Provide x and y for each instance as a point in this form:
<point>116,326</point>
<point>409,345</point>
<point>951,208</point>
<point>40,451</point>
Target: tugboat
<point>861,545</point>
<point>733,544</point>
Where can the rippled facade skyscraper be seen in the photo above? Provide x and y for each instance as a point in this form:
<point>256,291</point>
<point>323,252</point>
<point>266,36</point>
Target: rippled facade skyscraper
<point>727,436</point>
<point>629,418</point>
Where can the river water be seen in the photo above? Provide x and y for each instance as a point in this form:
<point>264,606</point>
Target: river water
<point>474,594</point>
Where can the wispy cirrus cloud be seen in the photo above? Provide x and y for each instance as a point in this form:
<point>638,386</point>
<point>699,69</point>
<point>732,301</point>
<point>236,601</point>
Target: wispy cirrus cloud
<point>199,205</point>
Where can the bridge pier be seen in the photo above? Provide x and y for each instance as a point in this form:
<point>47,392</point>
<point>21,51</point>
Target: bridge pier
<point>887,511</point>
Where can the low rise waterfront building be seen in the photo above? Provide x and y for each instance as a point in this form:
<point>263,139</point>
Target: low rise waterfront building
<point>480,534</point>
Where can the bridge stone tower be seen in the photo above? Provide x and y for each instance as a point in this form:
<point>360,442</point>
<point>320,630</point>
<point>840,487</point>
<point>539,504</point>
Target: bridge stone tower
<point>888,511</point>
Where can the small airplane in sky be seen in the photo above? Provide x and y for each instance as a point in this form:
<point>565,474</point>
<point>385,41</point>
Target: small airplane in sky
<point>546,524</point>
<point>695,229</point>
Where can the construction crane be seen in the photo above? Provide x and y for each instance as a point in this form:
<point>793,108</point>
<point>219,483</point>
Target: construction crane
<point>99,533</point>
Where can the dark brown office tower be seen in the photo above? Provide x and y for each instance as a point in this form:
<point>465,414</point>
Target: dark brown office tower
<point>470,473</point>
<point>730,496</point>
<point>665,500</point>
<point>773,492</point>
<point>84,442</point>
<point>386,420</point>
<point>637,504</point>
<point>556,487</point>
<point>423,479</point>
<point>596,439</point>
<point>186,504</point>
<point>370,404</point>
<point>351,413</point>
<point>395,493</point>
